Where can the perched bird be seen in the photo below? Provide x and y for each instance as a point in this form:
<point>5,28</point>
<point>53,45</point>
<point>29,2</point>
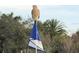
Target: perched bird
<point>35,13</point>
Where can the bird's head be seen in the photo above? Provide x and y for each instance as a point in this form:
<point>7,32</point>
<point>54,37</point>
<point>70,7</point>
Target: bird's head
<point>34,6</point>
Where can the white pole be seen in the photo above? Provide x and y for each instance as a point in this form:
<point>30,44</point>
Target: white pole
<point>36,49</point>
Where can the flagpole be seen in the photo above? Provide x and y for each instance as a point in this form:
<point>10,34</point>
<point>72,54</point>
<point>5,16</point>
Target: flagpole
<point>36,36</point>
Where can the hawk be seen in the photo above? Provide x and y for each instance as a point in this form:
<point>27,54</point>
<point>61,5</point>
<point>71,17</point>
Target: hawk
<point>35,13</point>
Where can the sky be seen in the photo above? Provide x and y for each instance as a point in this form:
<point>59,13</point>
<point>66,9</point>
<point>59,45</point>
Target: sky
<point>68,15</point>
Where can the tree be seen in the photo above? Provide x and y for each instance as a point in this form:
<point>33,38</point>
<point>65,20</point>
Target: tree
<point>75,42</point>
<point>54,32</point>
<point>13,32</point>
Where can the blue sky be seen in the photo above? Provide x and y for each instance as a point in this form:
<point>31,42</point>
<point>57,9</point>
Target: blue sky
<point>67,14</point>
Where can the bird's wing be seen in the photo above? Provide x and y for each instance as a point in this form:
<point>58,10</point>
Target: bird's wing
<point>32,13</point>
<point>38,13</point>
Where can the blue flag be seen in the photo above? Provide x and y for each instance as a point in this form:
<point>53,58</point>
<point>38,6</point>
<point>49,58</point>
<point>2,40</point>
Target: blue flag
<point>35,40</point>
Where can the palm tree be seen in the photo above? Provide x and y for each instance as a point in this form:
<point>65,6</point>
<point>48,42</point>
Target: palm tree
<point>54,29</point>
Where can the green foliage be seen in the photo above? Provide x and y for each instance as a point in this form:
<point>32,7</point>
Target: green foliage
<point>54,36</point>
<point>75,42</point>
<point>54,30</point>
<point>13,32</point>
